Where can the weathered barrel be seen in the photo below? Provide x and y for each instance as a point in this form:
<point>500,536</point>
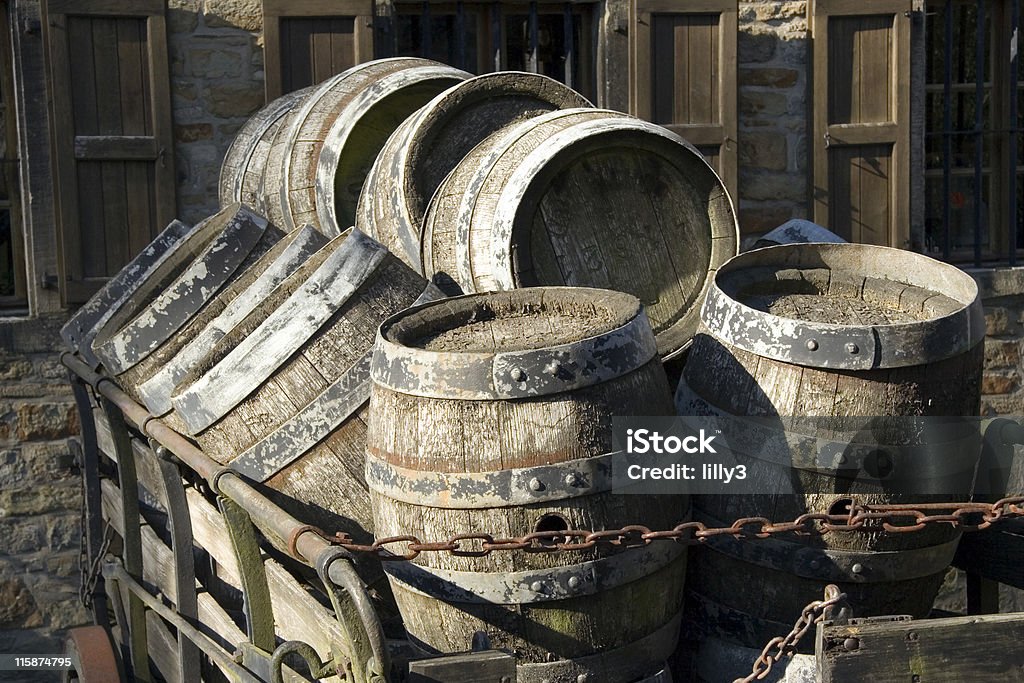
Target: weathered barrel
<point>588,198</point>
<point>432,142</point>
<point>282,397</point>
<point>156,377</point>
<point>127,345</point>
<point>492,416</point>
<point>834,332</point>
<point>151,270</point>
<point>336,133</point>
<point>242,168</point>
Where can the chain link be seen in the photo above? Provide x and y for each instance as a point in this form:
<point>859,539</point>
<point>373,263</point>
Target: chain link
<point>785,646</point>
<point>91,575</point>
<point>896,519</point>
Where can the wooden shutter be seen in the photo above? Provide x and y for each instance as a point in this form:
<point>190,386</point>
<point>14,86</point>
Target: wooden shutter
<point>861,130</point>
<point>683,74</point>
<point>111,134</point>
<point>308,41</point>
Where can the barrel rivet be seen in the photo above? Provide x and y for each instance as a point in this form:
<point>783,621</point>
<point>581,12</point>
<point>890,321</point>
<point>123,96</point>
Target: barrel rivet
<point>857,568</point>
<point>572,479</point>
<point>574,582</point>
<point>519,375</point>
<point>553,368</point>
<point>812,344</point>
<point>852,348</point>
<point>582,678</point>
<point>842,459</point>
<point>815,564</point>
<point>851,644</point>
<point>536,586</point>
<point>536,484</point>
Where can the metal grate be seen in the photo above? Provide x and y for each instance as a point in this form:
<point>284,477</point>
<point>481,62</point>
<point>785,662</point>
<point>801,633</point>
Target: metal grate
<point>974,177</point>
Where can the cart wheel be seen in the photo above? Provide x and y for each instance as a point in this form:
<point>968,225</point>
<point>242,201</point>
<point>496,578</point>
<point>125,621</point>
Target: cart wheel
<point>93,659</point>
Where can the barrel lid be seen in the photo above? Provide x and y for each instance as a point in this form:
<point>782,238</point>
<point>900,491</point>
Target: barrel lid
<point>475,347</point>
<point>940,332</point>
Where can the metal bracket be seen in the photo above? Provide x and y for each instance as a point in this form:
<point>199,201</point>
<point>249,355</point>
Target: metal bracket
<point>364,653</point>
<point>180,522</point>
<point>259,611</point>
<point>129,486</point>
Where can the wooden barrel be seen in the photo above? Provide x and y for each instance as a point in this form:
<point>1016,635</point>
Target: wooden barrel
<point>346,120</point>
<point>152,269</point>
<point>282,397</point>
<point>492,414</point>
<point>430,144</point>
<point>588,198</point>
<point>818,331</point>
<point>242,168</point>
<point>156,377</point>
<point>127,346</point>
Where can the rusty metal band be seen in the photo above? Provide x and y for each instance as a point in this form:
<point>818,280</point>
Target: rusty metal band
<point>846,347</point>
<point>87,321</point>
<point>481,376</point>
<point>834,565</point>
<point>311,425</point>
<point>485,490</point>
<point>535,585</point>
<point>156,391</point>
<point>186,295</point>
<point>284,331</point>
<point>635,660</point>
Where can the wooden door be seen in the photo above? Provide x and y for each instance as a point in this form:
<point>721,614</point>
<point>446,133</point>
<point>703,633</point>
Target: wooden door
<point>308,41</point>
<point>683,74</point>
<point>861,128</point>
<point>111,134</point>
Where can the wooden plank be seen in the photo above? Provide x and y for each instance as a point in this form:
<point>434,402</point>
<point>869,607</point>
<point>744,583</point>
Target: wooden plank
<point>863,133</point>
<point>952,650</point>
<point>472,667</point>
<point>312,8</point>
<point>119,8</point>
<point>159,80</point>
<point>115,148</point>
<point>699,135</point>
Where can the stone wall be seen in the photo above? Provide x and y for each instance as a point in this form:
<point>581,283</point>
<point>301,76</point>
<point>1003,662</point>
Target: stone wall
<point>40,493</point>
<point>216,62</point>
<point>773,49</point>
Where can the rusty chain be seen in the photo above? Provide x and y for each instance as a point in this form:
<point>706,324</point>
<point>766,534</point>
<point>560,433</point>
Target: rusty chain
<point>784,646</point>
<point>897,519</point>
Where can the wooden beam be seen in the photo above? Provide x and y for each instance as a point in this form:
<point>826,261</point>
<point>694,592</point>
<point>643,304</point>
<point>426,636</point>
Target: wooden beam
<point>953,650</point>
<point>472,667</point>
<point>115,148</point>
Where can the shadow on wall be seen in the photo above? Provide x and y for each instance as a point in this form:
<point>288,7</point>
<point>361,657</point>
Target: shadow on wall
<point>216,61</point>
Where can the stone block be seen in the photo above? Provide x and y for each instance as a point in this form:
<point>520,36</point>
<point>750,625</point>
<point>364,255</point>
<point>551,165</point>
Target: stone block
<point>997,383</point>
<point>765,150</point>
<point>1002,353</point>
<point>762,103</point>
<point>37,500</point>
<point>191,132</point>
<point>763,218</point>
<point>45,421</point>
<point>230,100</point>
<point>243,14</point>
<point>21,535</point>
<point>769,76</point>
<point>18,609</point>
<point>213,63</point>
<point>755,47</point>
